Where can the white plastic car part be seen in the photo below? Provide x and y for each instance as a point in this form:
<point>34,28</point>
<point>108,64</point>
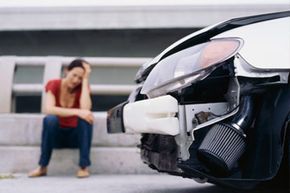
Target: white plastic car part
<point>156,115</point>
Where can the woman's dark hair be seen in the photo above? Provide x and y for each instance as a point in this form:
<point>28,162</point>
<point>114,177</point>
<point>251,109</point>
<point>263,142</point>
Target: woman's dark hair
<point>76,63</point>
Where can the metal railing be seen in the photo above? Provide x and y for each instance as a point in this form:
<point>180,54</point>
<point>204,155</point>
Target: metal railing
<point>52,69</point>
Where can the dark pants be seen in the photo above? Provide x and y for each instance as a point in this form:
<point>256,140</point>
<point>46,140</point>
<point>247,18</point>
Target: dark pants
<point>55,137</point>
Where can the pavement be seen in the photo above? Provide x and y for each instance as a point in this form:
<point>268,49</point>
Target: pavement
<point>156,183</point>
<point>19,183</point>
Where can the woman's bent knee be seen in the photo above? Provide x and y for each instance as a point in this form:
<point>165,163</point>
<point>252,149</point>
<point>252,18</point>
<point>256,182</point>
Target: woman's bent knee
<point>50,121</point>
<point>85,127</point>
<point>84,123</point>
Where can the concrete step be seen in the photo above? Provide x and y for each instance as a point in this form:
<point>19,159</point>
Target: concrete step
<point>105,160</point>
<point>25,130</point>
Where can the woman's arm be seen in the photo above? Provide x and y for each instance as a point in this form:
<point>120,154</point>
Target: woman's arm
<point>85,98</point>
<point>50,108</point>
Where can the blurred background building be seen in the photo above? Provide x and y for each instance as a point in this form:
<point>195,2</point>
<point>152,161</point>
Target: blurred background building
<point>109,30</point>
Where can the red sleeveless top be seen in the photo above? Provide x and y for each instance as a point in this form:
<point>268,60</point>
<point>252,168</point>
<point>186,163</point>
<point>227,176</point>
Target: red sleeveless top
<point>54,86</point>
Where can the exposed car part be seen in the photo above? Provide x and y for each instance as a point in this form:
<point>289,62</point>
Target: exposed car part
<point>225,143</point>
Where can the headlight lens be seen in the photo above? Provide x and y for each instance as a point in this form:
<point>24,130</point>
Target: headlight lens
<point>141,70</point>
<point>189,65</point>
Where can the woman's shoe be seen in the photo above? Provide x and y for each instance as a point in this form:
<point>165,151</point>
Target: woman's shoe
<point>38,172</point>
<point>83,173</point>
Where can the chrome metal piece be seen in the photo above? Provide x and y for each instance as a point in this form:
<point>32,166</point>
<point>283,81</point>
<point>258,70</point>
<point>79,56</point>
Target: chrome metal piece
<point>193,109</point>
<point>182,139</point>
<point>233,99</point>
<point>244,69</point>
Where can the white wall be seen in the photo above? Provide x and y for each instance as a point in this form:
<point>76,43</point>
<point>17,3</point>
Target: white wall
<point>127,14</point>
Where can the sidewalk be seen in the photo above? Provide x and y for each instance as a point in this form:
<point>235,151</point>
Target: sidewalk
<point>97,183</point>
<point>103,184</point>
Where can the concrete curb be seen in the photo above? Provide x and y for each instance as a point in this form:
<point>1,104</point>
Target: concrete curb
<point>25,130</point>
<point>105,160</point>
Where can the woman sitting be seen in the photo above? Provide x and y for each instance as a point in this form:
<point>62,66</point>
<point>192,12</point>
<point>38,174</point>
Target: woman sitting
<point>68,123</point>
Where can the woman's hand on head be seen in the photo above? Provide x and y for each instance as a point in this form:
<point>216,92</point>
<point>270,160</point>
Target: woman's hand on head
<point>88,70</point>
<point>86,115</point>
